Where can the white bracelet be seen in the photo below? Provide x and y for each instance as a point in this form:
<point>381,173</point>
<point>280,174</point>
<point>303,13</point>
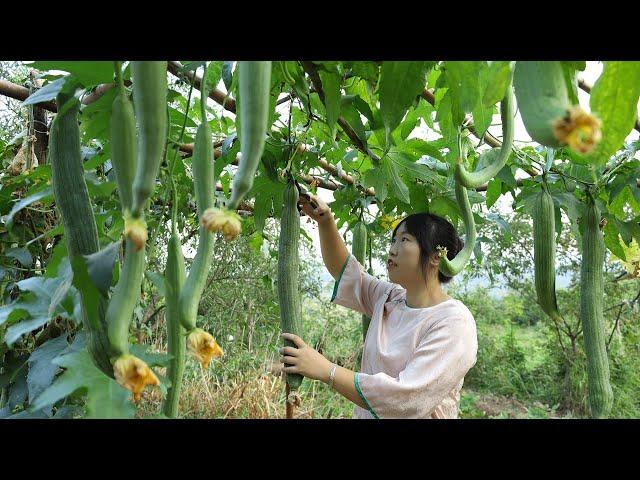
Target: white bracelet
<point>332,374</point>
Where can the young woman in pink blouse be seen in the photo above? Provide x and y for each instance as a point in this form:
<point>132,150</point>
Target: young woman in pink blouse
<point>420,343</point>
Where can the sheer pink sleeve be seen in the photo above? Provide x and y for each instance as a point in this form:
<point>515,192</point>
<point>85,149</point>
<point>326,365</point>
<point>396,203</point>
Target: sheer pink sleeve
<point>358,290</point>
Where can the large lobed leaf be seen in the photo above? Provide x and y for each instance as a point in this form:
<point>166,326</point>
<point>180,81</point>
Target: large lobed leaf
<point>42,299</point>
<point>400,84</point>
<point>614,99</point>
<point>105,397</point>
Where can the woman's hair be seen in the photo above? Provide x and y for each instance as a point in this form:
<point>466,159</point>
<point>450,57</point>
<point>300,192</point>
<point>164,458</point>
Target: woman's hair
<point>431,231</point>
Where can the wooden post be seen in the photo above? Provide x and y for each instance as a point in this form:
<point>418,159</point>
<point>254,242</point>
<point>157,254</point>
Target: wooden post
<point>40,130</point>
<point>289,413</point>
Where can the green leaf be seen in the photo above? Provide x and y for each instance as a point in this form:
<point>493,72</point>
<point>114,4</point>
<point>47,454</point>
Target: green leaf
<point>268,197</point>
<point>494,82</point>
<point>400,84</point>
<point>374,177</point>
<point>14,366</point>
<point>506,176</point>
<point>46,298</point>
<point>366,70</point>
<point>68,412</point>
<point>418,147</point>
<point>494,190</point>
<point>409,124</point>
<point>227,74</point>
<point>42,370</point>
<point>576,65</point>
<point>444,206</point>
<point>87,72</point>
<point>612,240</point>
<point>229,150</point>
<point>624,198</point>
<point>363,107</point>
<point>97,187</point>
<point>614,99</point>
<point>25,202</point>
<point>17,394</point>
<point>572,206</point>
<point>22,255</point>
<point>482,116</point>
<point>448,120</point>
<point>47,93</point>
<point>40,414</point>
<point>96,117</point>
<point>463,82</point>
<point>100,266</point>
<point>91,297</point>
<point>153,359</point>
<point>570,79</point>
<point>422,111</point>
<point>191,66</point>
<point>105,398</point>
<point>331,86</point>
<point>502,224</point>
<point>390,171</point>
<point>214,74</point>
<point>558,219</point>
<point>351,114</point>
<point>345,197</point>
<point>158,281</point>
<point>411,170</point>
<point>255,242</point>
<point>477,251</point>
<point>177,118</point>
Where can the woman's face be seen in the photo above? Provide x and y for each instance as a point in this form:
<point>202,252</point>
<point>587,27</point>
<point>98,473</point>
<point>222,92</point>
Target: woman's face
<point>403,262</point>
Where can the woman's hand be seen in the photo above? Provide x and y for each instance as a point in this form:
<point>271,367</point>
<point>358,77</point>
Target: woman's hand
<point>304,359</point>
<point>322,211</point>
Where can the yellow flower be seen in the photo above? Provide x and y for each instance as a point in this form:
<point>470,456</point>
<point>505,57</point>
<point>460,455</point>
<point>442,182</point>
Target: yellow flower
<point>442,251</point>
<point>388,222</point>
<point>136,230</point>
<point>222,220</point>
<point>632,262</point>
<point>579,129</point>
<point>133,374</point>
<point>203,346</point>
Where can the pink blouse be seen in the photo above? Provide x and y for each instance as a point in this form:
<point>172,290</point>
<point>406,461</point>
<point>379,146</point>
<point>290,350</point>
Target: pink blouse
<point>414,359</point>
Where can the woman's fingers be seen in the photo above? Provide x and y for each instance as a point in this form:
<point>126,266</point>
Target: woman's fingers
<point>289,351</point>
<point>288,359</point>
<point>306,207</point>
<point>294,338</point>
<point>312,206</point>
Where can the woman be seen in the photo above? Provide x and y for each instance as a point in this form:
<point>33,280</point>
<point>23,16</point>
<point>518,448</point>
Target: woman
<point>420,343</point>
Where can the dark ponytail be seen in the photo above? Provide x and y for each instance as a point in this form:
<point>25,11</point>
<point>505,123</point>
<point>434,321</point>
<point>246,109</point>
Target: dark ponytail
<point>430,232</point>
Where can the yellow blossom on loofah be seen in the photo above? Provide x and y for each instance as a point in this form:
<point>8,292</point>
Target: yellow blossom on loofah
<point>442,251</point>
<point>578,129</point>
<point>135,229</point>
<point>222,220</point>
<point>388,222</point>
<point>133,374</point>
<point>203,346</point>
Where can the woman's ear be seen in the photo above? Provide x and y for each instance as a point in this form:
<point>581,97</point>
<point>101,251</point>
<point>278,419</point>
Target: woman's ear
<point>434,259</point>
